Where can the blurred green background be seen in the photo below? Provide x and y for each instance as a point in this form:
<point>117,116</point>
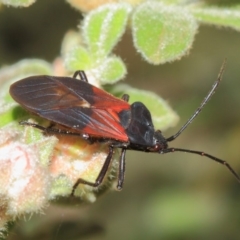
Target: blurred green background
<point>174,196</point>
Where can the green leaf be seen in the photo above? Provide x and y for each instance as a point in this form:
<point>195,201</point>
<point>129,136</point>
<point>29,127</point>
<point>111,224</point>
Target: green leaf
<point>19,70</point>
<point>32,135</point>
<point>18,3</point>
<point>78,59</point>
<point>227,17</point>
<point>25,67</point>
<point>162,33</point>
<point>61,186</point>
<point>112,70</point>
<point>9,112</point>
<point>104,26</point>
<point>162,114</point>
<point>6,117</point>
<point>71,40</point>
<point>10,74</point>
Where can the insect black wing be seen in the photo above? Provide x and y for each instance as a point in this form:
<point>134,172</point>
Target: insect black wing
<point>73,103</point>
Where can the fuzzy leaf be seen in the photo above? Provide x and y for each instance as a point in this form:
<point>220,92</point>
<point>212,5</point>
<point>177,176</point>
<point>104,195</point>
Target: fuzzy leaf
<point>112,70</point>
<point>228,17</point>
<point>78,59</point>
<point>70,40</point>
<point>18,3</point>
<point>9,112</point>
<point>61,186</point>
<point>25,68</point>
<point>104,27</point>
<point>32,135</point>
<point>162,33</point>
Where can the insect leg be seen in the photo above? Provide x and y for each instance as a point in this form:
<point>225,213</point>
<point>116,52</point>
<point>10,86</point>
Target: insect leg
<point>125,97</point>
<point>81,74</point>
<point>54,130</point>
<point>121,170</point>
<point>101,175</point>
<point>226,164</point>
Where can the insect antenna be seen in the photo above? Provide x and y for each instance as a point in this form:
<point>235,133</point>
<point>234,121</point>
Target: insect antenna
<point>199,109</point>
<point>204,102</point>
<point>225,163</point>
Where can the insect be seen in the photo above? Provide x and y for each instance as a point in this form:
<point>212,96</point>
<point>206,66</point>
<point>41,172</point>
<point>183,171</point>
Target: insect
<point>95,115</point>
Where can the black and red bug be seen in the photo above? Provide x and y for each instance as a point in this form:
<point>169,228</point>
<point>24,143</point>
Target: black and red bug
<point>95,115</point>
